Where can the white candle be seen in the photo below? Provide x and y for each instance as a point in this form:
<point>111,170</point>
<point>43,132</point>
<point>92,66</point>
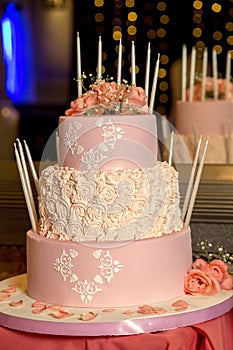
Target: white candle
<point>133,68</point>
<point>57,146</point>
<point>184,73</point>
<point>229,139</point>
<point>79,73</point>
<point>31,164</point>
<point>25,191</point>
<point>195,187</point>
<point>204,74</point>
<point>215,73</point>
<point>192,73</point>
<point>154,85</point>
<point>99,68</point>
<point>171,148</point>
<point>119,65</point>
<point>228,74</point>
<point>191,179</point>
<point>147,75</point>
<point>24,166</point>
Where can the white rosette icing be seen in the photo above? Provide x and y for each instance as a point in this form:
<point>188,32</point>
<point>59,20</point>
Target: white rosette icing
<point>113,205</point>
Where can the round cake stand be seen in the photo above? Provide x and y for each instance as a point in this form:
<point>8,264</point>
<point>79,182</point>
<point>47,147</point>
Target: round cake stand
<point>19,311</point>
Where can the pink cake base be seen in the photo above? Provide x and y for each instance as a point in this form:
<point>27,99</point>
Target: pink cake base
<point>127,273</point>
<point>203,118</point>
<point>108,322</point>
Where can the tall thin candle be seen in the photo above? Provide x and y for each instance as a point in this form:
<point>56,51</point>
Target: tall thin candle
<point>25,191</point>
<point>191,180</point>
<point>133,63</point>
<point>79,73</point>
<point>229,140</point>
<point>31,164</point>
<point>171,148</point>
<point>195,187</point>
<point>119,66</point>
<point>57,147</point>
<point>215,73</point>
<point>99,68</point>
<point>184,73</point>
<point>147,75</point>
<point>228,74</point>
<point>204,74</point>
<point>192,73</point>
<point>154,85</point>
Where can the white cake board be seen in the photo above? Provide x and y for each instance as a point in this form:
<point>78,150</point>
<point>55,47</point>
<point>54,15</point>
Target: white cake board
<point>116,321</point>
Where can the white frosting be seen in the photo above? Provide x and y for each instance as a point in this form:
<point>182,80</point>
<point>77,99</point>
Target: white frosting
<point>114,205</point>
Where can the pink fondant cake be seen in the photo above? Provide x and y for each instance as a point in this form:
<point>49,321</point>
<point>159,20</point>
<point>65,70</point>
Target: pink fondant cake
<point>211,118</point>
<point>110,230</point>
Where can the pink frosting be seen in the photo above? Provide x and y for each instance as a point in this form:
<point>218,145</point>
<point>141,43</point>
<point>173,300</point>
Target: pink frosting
<point>105,93</point>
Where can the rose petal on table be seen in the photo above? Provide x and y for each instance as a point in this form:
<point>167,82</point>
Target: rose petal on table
<point>59,314</point>
<point>180,303</point>
<point>4,297</point>
<point>108,310</point>
<point>9,290</point>
<point>39,310</point>
<point>16,303</point>
<point>88,316</point>
<point>38,304</point>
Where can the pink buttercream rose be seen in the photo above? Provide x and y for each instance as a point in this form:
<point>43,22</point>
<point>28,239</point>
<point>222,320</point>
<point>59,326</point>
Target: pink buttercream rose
<point>197,282</point>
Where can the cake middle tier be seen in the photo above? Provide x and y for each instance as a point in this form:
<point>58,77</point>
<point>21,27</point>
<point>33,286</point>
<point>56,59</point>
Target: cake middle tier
<point>113,205</point>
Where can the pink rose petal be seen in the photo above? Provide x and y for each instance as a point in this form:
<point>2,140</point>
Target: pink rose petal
<point>16,303</point>
<point>38,304</point>
<point>180,303</point>
<point>145,309</point>
<point>88,316</point>
<point>128,312</point>
<point>4,297</point>
<point>39,310</point>
<point>108,310</point>
<point>59,314</point>
<point>54,307</point>
<point>159,310</point>
<point>14,284</point>
<point>9,290</point>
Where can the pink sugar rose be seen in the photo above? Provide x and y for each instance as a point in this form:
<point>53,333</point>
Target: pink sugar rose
<point>199,264</point>
<point>227,284</point>
<point>109,92</point>
<point>136,95</point>
<point>82,103</point>
<point>197,282</point>
<point>217,269</point>
<point>209,89</point>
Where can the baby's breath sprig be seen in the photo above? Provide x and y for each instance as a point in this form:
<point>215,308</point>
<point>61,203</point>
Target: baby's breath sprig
<point>210,252</point>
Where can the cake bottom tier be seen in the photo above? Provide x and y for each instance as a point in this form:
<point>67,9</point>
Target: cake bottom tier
<point>107,274</point>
